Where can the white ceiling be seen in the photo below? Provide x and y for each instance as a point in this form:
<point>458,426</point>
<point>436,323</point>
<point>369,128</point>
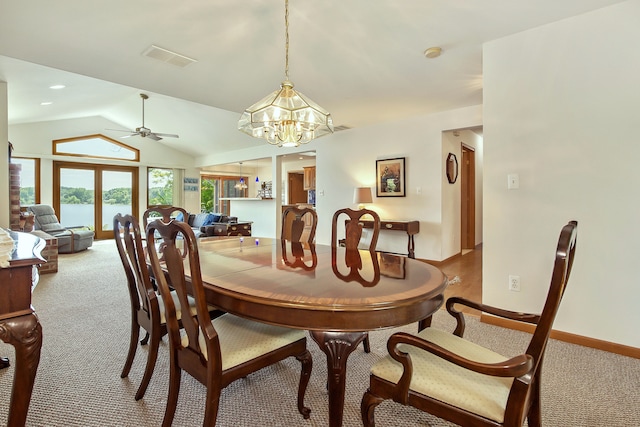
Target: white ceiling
<point>361,60</point>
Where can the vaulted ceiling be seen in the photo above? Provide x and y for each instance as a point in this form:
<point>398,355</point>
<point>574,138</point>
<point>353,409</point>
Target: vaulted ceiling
<point>361,60</point>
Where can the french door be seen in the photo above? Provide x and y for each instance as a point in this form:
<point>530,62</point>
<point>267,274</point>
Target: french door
<point>86,194</point>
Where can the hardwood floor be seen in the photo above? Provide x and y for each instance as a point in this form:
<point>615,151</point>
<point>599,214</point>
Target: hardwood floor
<point>468,268</point>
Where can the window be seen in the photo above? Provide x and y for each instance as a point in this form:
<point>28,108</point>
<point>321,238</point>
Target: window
<point>214,187</point>
<point>29,180</point>
<point>159,187</point>
<point>96,146</point>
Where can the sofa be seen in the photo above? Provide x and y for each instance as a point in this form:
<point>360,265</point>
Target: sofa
<point>203,224</point>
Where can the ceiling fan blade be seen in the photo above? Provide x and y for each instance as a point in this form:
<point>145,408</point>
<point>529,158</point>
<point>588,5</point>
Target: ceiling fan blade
<point>170,135</point>
<point>154,136</point>
<point>119,130</point>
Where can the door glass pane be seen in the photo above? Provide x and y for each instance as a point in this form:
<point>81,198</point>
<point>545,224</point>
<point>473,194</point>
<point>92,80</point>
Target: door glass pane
<point>77,199</point>
<point>116,196</point>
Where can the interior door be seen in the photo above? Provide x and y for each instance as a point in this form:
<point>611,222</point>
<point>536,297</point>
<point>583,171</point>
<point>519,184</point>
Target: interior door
<point>297,194</point>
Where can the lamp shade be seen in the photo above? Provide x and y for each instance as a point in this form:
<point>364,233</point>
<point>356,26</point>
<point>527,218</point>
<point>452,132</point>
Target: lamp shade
<point>362,195</point>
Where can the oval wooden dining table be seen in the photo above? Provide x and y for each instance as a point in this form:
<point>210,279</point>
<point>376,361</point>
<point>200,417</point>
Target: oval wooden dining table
<point>335,294</point>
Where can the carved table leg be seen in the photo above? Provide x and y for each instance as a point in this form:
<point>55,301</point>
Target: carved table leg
<point>337,346</point>
<point>25,334</point>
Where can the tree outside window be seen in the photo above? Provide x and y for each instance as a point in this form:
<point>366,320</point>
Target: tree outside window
<point>159,187</point>
<point>29,176</point>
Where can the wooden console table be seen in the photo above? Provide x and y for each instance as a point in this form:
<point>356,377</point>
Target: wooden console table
<point>409,227</point>
<point>19,325</point>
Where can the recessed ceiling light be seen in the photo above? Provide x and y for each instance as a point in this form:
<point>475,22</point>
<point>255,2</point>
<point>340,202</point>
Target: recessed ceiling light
<point>46,103</point>
<point>57,87</point>
<point>433,52</point>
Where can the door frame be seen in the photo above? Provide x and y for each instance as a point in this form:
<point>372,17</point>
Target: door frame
<point>97,190</point>
<point>467,198</point>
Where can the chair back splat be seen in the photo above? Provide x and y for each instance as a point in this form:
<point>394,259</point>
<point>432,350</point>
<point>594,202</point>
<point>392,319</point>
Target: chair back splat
<point>217,352</point>
<point>294,226</point>
<point>489,389</point>
<point>164,212</point>
<point>353,228</point>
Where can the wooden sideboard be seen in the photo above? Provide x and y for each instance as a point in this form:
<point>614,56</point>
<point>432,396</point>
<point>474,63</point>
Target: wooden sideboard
<point>19,325</point>
<point>409,227</point>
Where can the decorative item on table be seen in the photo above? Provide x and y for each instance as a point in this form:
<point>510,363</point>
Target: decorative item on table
<point>266,190</point>
<point>7,246</point>
<point>390,178</point>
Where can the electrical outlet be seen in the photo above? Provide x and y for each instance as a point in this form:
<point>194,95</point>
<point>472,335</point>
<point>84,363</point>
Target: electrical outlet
<point>514,283</point>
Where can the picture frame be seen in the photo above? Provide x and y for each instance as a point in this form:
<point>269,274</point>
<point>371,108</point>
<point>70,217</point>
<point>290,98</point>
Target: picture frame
<point>390,178</point>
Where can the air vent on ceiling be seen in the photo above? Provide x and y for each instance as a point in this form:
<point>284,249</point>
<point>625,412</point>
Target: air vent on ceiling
<point>167,56</point>
<point>341,127</point>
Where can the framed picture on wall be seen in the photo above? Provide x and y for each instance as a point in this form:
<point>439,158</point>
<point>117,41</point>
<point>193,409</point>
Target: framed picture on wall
<point>390,178</point>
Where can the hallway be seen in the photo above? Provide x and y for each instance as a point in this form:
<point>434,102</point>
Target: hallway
<point>468,268</point>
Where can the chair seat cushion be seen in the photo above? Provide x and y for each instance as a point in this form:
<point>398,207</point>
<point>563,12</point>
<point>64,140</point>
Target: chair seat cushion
<point>242,340</point>
<point>435,377</point>
<point>176,302</point>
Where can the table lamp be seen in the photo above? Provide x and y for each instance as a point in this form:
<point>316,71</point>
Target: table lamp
<point>362,195</point>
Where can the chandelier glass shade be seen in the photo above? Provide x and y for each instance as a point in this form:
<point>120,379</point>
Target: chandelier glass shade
<point>241,185</point>
<point>286,118</point>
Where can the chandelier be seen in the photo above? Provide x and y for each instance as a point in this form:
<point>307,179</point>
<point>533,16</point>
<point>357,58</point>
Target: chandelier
<point>241,185</point>
<point>286,118</point>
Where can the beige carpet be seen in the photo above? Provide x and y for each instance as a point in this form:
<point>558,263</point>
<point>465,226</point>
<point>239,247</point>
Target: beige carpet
<point>84,311</point>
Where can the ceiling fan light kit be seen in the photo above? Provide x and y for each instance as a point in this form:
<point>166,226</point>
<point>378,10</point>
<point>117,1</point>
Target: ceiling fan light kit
<point>286,118</point>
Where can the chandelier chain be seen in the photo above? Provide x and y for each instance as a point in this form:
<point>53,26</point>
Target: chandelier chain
<point>286,39</point>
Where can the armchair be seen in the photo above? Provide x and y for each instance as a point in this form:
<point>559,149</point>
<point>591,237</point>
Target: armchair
<point>70,239</point>
<point>455,379</point>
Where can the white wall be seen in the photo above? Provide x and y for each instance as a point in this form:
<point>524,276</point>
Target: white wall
<point>347,160</point>
<point>561,106</point>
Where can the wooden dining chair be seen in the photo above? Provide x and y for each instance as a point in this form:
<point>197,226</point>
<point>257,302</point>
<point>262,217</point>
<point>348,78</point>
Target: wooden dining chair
<point>167,213</point>
<point>220,351</point>
<point>299,224</point>
<point>462,382</point>
<point>352,236</point>
<point>147,309</point>
<point>353,228</point>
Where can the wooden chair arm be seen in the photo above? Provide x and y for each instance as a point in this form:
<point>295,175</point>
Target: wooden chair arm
<point>522,317</point>
<point>514,367</point>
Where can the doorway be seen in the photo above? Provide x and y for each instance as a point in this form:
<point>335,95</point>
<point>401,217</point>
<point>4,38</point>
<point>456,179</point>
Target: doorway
<point>90,195</point>
<point>468,198</point>
<point>297,193</point>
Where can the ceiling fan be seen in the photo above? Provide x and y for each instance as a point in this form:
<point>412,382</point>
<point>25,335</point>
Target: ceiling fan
<point>143,131</point>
